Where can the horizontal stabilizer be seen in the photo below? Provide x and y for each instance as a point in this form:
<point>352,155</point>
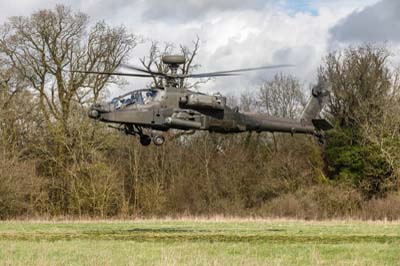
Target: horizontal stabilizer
<point>322,124</point>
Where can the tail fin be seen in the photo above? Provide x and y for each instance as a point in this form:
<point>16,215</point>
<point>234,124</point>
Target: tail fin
<point>319,96</point>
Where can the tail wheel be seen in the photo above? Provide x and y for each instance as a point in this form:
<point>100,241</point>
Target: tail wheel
<point>145,140</point>
<point>321,139</point>
<point>158,140</point>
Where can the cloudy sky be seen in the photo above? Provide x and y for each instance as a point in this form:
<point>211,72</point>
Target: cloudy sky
<point>238,33</point>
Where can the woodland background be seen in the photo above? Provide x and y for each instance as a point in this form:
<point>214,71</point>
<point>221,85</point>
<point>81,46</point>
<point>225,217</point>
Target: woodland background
<point>56,162</point>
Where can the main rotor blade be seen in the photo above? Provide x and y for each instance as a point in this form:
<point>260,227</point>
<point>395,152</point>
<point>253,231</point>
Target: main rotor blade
<point>113,73</point>
<point>214,74</point>
<point>155,73</point>
<point>210,75</point>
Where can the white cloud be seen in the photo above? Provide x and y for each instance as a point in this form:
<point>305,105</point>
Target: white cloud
<point>234,34</point>
<point>246,38</point>
<point>376,23</point>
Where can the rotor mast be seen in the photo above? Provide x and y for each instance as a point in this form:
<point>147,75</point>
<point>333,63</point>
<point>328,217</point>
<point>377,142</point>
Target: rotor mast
<point>173,62</point>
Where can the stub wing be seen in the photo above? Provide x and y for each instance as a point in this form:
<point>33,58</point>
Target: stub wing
<point>322,124</point>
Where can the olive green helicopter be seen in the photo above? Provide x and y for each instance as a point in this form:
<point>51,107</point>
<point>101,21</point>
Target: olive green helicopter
<point>147,113</point>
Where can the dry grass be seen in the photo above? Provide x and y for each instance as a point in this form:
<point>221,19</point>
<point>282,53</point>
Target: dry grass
<point>202,219</point>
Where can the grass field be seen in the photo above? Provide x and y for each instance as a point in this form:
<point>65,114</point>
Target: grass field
<point>201,242</point>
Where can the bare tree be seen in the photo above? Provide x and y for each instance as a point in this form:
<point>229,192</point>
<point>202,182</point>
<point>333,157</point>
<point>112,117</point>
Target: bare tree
<point>282,96</point>
<point>385,132</point>
<point>248,101</point>
<point>38,53</point>
<point>364,104</point>
<point>154,59</point>
<point>361,82</point>
<point>43,47</point>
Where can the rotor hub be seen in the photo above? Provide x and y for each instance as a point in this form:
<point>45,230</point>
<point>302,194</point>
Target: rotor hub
<point>174,59</point>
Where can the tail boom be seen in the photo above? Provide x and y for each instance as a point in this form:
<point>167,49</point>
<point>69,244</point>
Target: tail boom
<point>309,122</point>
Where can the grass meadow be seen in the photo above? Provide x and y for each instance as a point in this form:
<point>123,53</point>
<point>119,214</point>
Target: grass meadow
<point>199,242</point>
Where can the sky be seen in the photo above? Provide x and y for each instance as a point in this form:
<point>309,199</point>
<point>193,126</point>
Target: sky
<point>239,34</point>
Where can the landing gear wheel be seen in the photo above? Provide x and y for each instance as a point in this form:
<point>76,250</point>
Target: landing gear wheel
<point>158,140</point>
<point>145,140</point>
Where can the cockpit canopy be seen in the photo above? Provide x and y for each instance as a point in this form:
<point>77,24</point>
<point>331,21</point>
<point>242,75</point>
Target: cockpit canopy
<point>138,97</point>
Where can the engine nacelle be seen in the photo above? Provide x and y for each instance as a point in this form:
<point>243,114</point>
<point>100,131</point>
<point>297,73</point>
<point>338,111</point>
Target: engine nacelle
<point>203,102</point>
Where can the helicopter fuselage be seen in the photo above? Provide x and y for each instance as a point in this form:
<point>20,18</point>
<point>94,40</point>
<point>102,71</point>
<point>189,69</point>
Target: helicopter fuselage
<point>174,108</point>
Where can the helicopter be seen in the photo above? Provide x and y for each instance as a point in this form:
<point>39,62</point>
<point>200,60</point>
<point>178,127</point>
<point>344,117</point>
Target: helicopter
<point>174,106</point>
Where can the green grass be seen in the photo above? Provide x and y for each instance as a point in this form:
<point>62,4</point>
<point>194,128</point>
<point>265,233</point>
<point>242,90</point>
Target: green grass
<point>225,242</point>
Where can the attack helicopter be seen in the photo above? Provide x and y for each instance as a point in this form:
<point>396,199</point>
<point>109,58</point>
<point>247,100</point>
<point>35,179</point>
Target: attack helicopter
<point>147,112</point>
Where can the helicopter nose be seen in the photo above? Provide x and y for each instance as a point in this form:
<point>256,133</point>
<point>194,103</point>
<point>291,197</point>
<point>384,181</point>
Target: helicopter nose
<point>94,114</point>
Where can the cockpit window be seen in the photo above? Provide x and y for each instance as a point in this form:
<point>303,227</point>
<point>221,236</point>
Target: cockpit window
<point>140,97</point>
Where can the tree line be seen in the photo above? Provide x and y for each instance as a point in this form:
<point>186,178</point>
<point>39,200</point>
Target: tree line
<point>54,161</point>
